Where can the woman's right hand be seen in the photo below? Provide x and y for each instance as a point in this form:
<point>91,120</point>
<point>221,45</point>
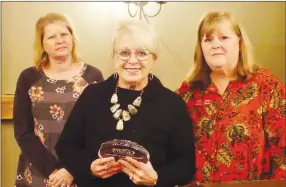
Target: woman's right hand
<point>105,167</point>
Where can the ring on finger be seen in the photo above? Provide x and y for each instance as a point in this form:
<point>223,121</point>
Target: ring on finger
<point>105,166</point>
<point>131,176</point>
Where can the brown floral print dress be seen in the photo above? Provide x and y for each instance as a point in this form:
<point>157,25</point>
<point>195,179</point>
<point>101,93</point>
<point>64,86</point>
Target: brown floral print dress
<point>41,108</point>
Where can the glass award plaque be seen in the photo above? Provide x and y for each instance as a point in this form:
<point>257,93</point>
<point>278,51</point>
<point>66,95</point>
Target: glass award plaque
<point>122,148</point>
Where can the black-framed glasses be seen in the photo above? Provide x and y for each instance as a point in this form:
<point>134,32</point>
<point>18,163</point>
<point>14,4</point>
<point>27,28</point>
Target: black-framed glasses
<point>125,54</point>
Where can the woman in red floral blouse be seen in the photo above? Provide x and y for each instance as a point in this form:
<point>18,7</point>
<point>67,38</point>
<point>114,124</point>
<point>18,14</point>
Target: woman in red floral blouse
<point>238,109</point>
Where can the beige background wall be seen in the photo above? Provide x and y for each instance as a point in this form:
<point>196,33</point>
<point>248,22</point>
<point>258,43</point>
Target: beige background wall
<point>176,25</point>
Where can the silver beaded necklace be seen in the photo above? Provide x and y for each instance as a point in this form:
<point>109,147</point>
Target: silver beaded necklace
<point>123,115</point>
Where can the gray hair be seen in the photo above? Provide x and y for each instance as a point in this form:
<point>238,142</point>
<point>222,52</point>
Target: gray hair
<point>142,33</point>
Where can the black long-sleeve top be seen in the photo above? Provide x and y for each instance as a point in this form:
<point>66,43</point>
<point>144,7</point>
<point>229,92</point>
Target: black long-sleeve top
<point>162,125</point>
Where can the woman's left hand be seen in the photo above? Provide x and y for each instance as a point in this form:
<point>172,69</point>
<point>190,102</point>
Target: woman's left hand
<point>60,178</point>
<point>139,172</point>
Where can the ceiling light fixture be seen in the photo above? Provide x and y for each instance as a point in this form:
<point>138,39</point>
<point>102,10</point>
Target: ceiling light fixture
<point>140,8</point>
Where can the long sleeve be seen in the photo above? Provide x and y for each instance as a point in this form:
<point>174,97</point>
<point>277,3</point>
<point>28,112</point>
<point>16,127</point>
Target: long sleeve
<point>99,77</point>
<point>182,165</point>
<point>29,143</point>
<point>274,124</point>
<point>70,146</point>
<point>93,75</point>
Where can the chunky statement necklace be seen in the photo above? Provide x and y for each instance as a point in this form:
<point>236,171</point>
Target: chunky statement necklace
<point>123,115</point>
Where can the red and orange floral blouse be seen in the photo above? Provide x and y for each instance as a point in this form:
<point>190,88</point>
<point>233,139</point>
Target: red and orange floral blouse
<point>240,135</point>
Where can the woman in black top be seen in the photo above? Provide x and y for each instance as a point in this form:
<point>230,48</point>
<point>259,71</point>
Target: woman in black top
<point>148,114</point>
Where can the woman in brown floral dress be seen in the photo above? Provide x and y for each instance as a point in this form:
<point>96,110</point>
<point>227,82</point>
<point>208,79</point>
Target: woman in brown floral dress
<point>45,95</point>
<point>238,109</point>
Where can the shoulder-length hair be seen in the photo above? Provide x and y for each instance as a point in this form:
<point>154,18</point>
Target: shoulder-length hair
<point>41,58</point>
<point>199,77</point>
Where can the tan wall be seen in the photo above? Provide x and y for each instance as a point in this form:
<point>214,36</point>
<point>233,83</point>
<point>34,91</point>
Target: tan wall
<point>176,25</point>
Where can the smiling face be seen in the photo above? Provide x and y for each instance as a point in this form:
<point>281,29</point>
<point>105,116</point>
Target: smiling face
<point>133,61</point>
<point>221,47</point>
<point>57,40</point>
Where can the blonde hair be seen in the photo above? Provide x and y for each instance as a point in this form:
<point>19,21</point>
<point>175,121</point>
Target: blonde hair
<point>200,75</point>
<point>41,57</point>
<point>140,31</point>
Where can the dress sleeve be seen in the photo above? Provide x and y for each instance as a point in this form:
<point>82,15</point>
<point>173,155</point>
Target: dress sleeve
<point>274,112</point>
<point>182,167</point>
<point>29,143</point>
<point>93,75</point>
<point>70,147</point>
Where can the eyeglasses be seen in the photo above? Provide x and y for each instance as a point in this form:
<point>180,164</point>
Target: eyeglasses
<point>125,54</point>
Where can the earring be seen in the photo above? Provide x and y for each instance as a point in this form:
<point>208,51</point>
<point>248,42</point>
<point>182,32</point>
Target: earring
<point>151,76</point>
<point>44,54</point>
<point>115,75</point>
